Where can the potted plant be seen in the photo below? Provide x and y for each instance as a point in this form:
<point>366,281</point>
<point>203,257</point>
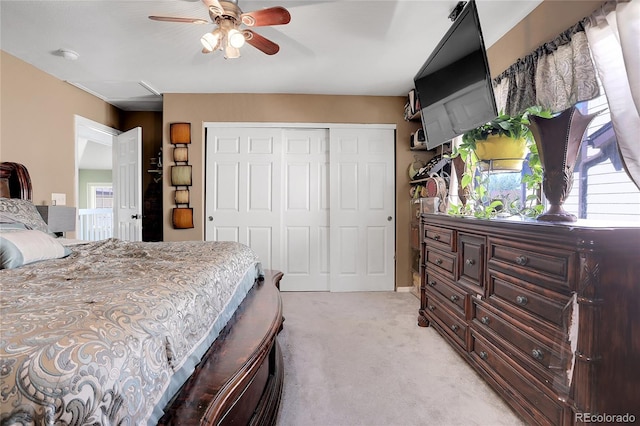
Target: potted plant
<point>505,140</point>
<point>500,145</point>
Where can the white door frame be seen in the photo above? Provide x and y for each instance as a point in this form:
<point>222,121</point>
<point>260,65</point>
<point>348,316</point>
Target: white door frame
<point>298,125</point>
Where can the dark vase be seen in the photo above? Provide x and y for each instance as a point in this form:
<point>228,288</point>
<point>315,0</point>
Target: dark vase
<point>558,140</point>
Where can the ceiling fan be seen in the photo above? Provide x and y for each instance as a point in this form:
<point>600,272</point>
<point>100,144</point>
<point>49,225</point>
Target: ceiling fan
<point>228,36</point>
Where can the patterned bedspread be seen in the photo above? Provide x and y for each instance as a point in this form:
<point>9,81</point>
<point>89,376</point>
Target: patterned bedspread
<point>97,337</point>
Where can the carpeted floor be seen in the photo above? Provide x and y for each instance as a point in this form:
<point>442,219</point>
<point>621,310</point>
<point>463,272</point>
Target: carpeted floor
<point>360,359</point>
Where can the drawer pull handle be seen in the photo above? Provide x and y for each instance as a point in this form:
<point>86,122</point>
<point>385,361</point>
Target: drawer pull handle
<point>470,262</point>
<point>537,354</point>
<point>438,261</point>
<point>484,355</point>
<point>432,308</point>
<point>436,237</point>
<point>485,320</point>
<point>522,300</point>
<point>454,298</point>
<point>522,260</point>
<point>432,283</point>
<point>454,327</point>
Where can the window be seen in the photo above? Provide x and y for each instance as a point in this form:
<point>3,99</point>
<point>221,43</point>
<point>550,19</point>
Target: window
<point>100,195</point>
<point>601,187</point>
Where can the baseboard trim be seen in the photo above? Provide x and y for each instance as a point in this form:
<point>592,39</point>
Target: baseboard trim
<point>404,289</point>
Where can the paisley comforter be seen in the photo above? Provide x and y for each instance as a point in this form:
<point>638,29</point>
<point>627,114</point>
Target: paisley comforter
<point>110,333</point>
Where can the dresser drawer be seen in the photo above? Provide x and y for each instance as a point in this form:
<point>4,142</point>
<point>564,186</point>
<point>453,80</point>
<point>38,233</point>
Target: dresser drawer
<point>455,327</point>
<point>439,237</point>
<point>545,359</point>
<point>454,296</point>
<point>537,403</point>
<point>530,298</point>
<point>553,268</point>
<point>444,263</point>
<point>471,261</point>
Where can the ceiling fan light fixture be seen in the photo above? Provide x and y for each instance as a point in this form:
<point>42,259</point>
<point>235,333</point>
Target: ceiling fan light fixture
<point>211,41</point>
<point>229,17</point>
<point>236,38</point>
<point>231,52</point>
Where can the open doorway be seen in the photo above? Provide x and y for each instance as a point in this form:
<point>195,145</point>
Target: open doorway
<point>94,179</point>
<point>108,182</point>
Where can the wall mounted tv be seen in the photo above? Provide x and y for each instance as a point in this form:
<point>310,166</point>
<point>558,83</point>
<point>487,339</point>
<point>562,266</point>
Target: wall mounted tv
<point>454,84</point>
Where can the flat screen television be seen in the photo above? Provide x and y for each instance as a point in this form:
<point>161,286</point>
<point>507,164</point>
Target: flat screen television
<point>454,84</point>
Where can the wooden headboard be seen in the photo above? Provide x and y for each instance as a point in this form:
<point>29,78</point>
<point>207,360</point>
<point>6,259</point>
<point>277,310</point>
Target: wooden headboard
<point>15,181</point>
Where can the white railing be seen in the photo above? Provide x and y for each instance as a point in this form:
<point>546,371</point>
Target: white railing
<point>95,224</point>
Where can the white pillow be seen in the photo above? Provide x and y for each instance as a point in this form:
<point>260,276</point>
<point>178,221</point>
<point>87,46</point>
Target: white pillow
<point>21,247</point>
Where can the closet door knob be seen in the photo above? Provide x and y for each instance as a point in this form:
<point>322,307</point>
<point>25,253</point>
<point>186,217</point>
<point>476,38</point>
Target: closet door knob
<point>210,218</point>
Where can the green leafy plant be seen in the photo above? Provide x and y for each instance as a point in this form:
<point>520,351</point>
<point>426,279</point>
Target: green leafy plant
<point>475,187</point>
<point>513,126</point>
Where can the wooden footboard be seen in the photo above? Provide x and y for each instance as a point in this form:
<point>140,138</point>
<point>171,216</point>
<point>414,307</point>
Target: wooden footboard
<point>239,380</point>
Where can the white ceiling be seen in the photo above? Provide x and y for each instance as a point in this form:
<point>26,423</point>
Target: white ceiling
<point>353,47</point>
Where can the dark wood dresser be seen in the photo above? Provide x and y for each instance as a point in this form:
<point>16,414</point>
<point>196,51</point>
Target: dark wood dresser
<point>548,314</point>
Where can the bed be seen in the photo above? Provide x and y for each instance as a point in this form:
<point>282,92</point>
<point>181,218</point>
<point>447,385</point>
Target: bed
<point>115,332</point>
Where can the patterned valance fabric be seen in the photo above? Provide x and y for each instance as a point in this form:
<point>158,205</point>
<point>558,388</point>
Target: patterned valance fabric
<point>556,75</point>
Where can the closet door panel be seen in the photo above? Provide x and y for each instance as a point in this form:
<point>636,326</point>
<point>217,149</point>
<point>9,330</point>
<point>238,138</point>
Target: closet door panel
<point>362,222</point>
<point>305,214</point>
<point>243,189</point>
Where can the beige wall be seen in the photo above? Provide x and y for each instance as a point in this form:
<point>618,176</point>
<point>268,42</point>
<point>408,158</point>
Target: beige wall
<point>37,125</point>
<point>279,108</point>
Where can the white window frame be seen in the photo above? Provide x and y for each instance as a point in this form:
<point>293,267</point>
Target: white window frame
<point>91,192</point>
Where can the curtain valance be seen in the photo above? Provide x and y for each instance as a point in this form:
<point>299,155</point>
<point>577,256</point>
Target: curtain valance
<point>556,75</point>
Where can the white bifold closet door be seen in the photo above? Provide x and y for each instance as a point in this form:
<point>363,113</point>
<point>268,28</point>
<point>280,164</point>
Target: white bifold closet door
<point>317,204</point>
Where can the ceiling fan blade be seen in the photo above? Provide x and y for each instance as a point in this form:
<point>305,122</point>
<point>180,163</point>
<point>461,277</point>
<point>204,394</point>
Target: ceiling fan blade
<point>263,44</point>
<point>270,16</point>
<point>214,7</point>
<point>181,20</point>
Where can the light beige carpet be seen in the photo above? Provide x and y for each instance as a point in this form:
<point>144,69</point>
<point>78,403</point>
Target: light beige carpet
<point>361,359</point>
